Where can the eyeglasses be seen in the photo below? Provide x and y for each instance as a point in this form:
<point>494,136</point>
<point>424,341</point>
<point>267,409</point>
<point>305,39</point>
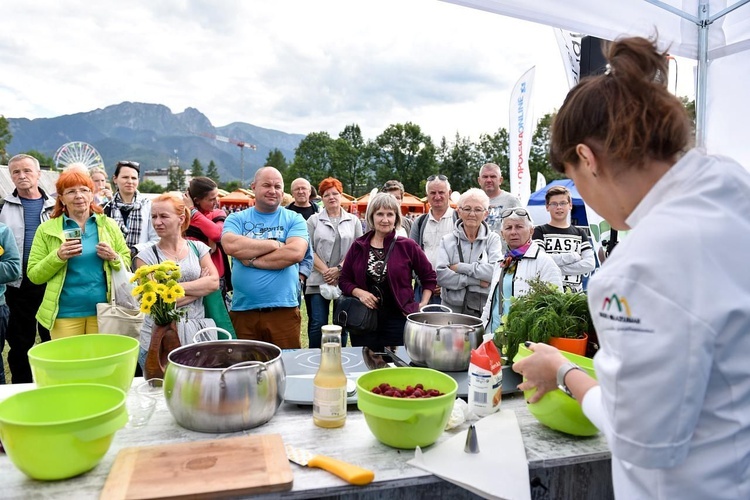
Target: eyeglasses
<point>131,164</point>
<point>469,210</point>
<point>76,192</point>
<point>521,212</point>
<point>439,177</point>
<point>556,204</point>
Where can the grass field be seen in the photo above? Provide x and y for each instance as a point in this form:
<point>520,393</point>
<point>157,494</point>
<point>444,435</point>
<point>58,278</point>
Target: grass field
<point>303,340</point>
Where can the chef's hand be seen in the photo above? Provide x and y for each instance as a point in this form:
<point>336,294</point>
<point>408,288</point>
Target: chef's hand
<point>105,252</point>
<point>539,369</point>
<point>69,249</point>
<point>369,300</point>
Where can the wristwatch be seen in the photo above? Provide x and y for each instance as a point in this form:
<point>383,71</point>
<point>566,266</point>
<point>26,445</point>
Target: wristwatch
<point>561,372</point>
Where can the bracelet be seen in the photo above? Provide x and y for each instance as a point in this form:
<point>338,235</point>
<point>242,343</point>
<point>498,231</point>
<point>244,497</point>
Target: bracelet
<point>339,267</point>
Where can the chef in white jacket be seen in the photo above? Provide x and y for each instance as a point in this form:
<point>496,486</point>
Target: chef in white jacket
<point>671,305</point>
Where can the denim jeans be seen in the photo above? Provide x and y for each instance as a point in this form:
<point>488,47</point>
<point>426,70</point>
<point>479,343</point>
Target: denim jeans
<point>317,316</point>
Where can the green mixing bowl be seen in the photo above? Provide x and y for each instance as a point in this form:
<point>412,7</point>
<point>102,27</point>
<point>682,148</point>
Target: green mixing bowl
<point>401,422</point>
<point>97,359</point>
<point>61,431</point>
<point>556,409</point>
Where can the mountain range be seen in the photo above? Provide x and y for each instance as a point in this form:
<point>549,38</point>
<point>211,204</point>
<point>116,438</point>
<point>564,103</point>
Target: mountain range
<point>154,136</point>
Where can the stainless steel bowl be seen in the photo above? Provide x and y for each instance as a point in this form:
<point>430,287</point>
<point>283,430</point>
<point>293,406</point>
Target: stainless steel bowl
<point>442,340</point>
<point>224,385</point>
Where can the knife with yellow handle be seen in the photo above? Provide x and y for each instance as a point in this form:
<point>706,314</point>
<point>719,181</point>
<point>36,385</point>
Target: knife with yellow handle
<point>346,471</point>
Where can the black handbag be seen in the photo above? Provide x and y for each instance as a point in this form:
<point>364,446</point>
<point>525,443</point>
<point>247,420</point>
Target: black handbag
<point>355,317</point>
<point>352,315</point>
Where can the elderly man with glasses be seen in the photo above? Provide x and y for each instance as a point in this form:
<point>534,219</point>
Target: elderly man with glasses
<point>568,245</point>
<point>24,210</point>
<point>524,261</point>
<point>429,229</point>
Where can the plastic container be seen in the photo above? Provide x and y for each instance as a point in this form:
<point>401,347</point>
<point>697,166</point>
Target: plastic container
<point>61,431</point>
<point>401,422</point>
<point>556,409</point>
<point>97,358</point>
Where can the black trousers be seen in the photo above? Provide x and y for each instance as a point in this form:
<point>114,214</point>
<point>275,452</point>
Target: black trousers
<point>23,303</point>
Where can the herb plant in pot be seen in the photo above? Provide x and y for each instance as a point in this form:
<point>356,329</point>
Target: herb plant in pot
<point>545,314</point>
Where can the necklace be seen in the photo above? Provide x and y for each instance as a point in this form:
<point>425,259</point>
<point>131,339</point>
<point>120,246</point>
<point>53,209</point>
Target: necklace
<point>176,255</point>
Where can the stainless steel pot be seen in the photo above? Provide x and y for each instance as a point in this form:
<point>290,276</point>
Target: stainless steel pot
<point>224,385</point>
<point>442,340</point>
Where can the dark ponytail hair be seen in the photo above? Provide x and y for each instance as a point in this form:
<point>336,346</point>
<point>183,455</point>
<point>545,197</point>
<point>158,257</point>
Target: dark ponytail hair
<point>200,187</point>
<point>626,115</point>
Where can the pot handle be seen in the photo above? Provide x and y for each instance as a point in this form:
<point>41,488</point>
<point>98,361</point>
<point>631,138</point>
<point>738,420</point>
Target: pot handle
<point>201,336</point>
<point>467,329</point>
<point>261,365</point>
<point>440,308</point>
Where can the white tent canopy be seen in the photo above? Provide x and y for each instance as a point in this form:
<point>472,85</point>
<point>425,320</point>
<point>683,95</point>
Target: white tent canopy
<point>714,32</point>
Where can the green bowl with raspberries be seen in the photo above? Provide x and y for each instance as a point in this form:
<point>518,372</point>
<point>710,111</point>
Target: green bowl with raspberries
<point>413,417</point>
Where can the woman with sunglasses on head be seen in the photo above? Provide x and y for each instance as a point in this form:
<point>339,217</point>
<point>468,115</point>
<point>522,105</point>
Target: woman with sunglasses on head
<point>524,260</point>
<point>378,271</point>
<point>130,209</point>
<point>467,257</point>
<point>670,305</point>
<point>75,267</point>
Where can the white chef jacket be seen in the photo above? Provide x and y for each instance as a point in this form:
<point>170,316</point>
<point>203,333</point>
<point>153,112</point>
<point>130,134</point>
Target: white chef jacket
<point>672,310</point>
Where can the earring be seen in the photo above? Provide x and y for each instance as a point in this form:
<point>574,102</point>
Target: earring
<point>593,173</point>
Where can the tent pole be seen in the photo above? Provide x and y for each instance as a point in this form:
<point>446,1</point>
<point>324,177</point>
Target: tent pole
<point>702,83</point>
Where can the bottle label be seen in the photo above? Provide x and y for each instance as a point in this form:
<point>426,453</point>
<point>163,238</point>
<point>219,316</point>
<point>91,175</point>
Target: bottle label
<point>329,403</point>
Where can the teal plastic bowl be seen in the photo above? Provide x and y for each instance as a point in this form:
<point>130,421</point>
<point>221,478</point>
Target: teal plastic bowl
<point>556,409</point>
<point>98,358</point>
<point>401,422</point>
<point>61,431</point>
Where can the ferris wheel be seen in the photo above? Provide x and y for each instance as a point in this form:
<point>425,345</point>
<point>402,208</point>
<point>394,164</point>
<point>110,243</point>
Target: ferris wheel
<point>78,152</point>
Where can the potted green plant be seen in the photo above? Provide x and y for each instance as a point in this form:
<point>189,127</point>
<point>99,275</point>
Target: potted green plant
<point>546,314</point>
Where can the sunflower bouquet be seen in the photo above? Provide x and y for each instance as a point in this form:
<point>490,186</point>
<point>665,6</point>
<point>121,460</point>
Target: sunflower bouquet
<point>158,290</point>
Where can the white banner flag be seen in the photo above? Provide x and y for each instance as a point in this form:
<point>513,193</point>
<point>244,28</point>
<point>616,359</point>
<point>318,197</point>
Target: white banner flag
<point>570,50</point>
<point>521,131</point>
<point>540,181</point>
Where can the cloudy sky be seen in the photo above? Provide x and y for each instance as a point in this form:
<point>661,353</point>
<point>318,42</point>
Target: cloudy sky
<point>298,66</point>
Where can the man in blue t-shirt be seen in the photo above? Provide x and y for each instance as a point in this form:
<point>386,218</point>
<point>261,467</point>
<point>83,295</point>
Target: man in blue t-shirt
<point>267,242</point>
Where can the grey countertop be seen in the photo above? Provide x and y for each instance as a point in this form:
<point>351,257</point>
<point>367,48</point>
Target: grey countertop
<point>354,443</point>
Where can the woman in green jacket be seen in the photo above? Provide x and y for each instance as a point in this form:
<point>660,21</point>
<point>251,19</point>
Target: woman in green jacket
<point>69,253</point>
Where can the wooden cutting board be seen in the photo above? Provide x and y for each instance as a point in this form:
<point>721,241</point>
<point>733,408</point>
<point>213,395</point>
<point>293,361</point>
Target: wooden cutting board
<point>200,469</point>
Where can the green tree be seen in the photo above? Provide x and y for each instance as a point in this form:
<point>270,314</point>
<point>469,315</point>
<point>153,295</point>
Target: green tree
<point>149,186</point>
<point>350,163</point>
<point>5,138</point>
<point>276,160</point>
<point>313,159</point>
<point>539,153</point>
<point>689,105</point>
<point>196,170</point>
<point>494,148</point>
<point>458,161</point>
<point>44,160</point>
<point>231,185</point>
<point>176,178</point>
<point>213,172</point>
<point>403,152</point>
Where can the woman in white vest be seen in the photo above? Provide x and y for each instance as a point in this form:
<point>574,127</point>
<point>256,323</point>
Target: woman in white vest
<point>332,232</point>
